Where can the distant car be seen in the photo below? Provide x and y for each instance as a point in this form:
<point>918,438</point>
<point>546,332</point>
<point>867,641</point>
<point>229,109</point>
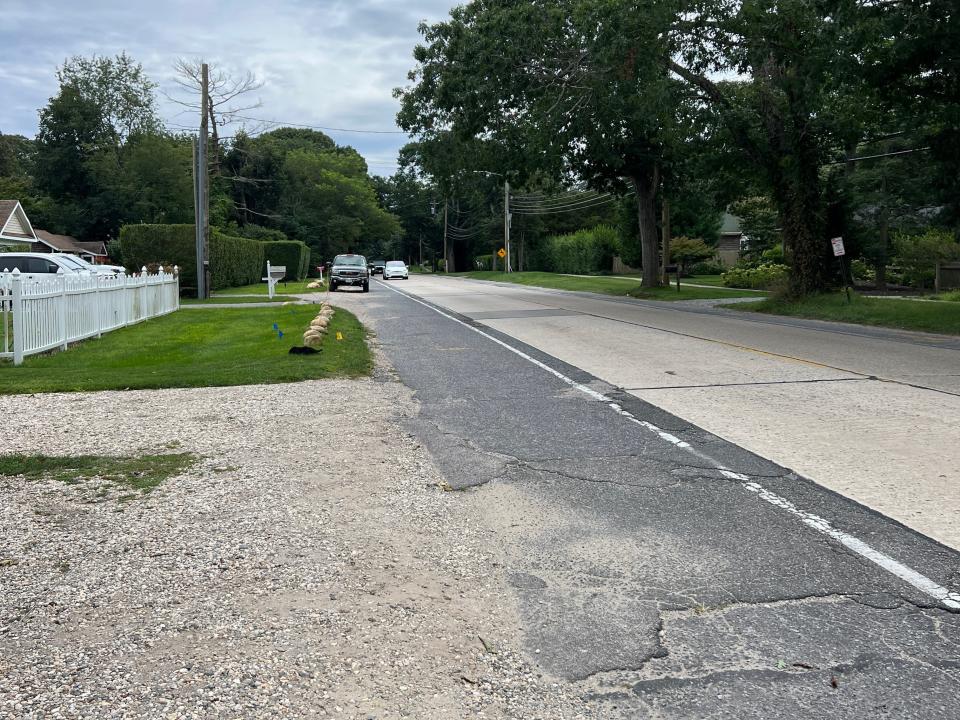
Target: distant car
<point>395,269</point>
<point>349,270</point>
<point>42,263</point>
<point>376,266</point>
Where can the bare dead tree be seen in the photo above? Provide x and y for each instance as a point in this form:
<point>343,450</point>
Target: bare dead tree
<point>226,97</point>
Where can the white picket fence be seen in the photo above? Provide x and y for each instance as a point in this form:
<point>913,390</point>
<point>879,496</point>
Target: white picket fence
<point>43,312</point>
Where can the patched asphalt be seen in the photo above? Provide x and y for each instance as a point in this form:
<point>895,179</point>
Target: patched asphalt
<point>645,575</point>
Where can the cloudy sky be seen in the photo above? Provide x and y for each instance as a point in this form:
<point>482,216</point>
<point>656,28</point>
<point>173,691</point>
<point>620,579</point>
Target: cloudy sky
<point>323,62</point>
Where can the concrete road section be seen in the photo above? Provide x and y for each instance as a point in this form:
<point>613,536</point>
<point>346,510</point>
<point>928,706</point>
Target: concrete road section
<point>660,570</point>
<point>870,413</point>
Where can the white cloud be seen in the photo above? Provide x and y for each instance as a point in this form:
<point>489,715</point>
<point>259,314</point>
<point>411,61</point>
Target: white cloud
<point>323,62</point>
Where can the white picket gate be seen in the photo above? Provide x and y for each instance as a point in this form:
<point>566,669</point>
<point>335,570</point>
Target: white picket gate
<point>43,312</point>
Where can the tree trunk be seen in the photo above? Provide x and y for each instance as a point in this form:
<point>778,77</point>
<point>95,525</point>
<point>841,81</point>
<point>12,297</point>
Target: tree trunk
<point>800,201</point>
<point>646,183</point>
<point>665,251</point>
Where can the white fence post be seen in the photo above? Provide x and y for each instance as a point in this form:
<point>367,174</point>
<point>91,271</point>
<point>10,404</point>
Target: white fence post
<point>16,307</point>
<point>98,304</point>
<point>63,308</point>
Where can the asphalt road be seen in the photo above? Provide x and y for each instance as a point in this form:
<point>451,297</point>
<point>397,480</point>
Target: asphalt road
<point>664,569</point>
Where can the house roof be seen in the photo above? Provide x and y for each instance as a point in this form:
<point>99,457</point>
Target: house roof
<point>95,247</point>
<point>730,225</point>
<point>65,243</point>
<point>14,224</point>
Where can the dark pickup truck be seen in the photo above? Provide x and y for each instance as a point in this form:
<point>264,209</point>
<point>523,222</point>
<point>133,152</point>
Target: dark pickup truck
<point>376,266</point>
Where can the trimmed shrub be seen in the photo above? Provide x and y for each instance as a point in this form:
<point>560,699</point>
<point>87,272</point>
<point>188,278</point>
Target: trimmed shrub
<point>233,261</point>
<point>582,252</point>
<point>292,254</point>
<point>708,267</point>
<point>761,277</point>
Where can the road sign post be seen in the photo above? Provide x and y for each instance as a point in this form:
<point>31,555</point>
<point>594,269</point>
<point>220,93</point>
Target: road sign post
<point>839,251</point>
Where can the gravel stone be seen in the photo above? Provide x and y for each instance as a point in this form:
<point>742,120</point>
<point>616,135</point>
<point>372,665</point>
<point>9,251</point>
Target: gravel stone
<point>309,566</point>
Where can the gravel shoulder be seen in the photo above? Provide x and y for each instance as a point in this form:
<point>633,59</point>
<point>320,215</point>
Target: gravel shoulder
<point>310,565</point>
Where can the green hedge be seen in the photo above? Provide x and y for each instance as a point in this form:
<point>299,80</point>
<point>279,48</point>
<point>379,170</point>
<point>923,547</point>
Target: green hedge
<point>292,254</point>
<point>233,261</point>
<point>167,245</point>
<point>585,251</point>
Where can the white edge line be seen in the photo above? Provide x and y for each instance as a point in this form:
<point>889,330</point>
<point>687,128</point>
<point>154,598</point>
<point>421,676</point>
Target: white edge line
<point>919,581</point>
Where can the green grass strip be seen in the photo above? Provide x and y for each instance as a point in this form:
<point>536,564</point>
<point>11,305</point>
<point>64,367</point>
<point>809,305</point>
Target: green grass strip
<point>610,285</point>
<point>931,317</point>
<point>194,348</point>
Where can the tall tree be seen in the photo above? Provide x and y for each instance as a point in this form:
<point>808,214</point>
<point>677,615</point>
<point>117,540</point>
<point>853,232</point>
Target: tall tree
<point>794,110</point>
<point>581,81</point>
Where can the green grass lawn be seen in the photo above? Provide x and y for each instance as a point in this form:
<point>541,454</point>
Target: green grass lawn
<point>238,299</point>
<point>290,288</point>
<point>904,314</point>
<point>233,346</point>
<point>607,285</point>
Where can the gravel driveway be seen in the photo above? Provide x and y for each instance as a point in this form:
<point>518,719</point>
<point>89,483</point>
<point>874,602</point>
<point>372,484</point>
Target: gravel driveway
<point>310,565</point>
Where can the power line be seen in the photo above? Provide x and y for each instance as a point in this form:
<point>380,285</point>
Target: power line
<point>320,127</point>
<point>540,197</point>
<point>585,205</point>
<point>558,203</point>
<point>875,157</point>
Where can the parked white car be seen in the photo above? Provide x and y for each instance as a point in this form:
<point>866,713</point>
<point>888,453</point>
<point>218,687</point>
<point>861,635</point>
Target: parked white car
<point>395,269</point>
<point>89,266</point>
<point>42,263</point>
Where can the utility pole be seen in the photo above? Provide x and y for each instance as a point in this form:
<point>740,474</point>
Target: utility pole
<point>205,179</point>
<point>198,216</point>
<point>421,248</point>
<point>506,222</point>
<point>446,255</point>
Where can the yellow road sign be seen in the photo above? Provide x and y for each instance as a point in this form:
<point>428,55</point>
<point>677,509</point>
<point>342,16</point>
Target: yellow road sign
<point>501,253</point>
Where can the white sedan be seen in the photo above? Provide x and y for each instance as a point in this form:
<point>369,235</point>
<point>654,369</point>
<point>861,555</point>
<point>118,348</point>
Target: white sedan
<point>395,269</point>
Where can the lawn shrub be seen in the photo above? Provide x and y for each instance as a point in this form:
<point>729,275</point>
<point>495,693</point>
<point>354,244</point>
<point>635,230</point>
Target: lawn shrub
<point>708,267</point>
<point>483,262</point>
<point>292,254</point>
<point>919,254</point>
<point>233,261</point>
<point>686,251</point>
<point>761,277</point>
<point>581,252</point>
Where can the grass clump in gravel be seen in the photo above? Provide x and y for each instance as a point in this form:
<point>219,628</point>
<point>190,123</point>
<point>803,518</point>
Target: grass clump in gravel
<point>143,473</point>
<point>193,348</point>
